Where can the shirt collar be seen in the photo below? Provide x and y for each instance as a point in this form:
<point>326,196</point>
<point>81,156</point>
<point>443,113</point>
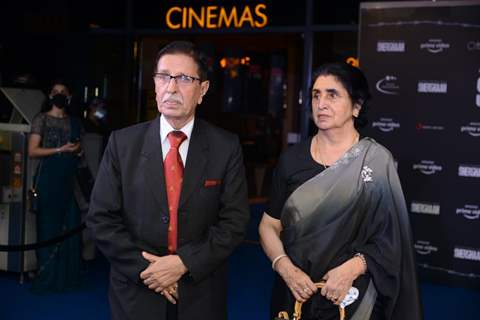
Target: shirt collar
<point>166,128</point>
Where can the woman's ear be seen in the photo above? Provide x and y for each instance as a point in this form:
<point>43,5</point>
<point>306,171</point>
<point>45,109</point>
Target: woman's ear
<point>356,109</point>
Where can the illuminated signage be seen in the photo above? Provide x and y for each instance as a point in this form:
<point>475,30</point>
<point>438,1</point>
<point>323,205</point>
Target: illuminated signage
<point>215,17</point>
<point>353,61</point>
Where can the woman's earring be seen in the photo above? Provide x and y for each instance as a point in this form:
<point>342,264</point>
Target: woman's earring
<point>356,112</point>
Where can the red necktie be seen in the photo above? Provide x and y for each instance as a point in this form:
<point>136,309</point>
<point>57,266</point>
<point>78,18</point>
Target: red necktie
<point>173,168</point>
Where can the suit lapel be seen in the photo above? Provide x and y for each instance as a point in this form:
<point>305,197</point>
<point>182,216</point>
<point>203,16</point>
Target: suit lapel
<point>196,161</point>
<point>153,162</point>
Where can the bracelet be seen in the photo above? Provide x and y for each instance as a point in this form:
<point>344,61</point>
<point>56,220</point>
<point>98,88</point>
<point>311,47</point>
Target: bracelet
<point>58,150</point>
<point>274,262</point>
<point>363,260</point>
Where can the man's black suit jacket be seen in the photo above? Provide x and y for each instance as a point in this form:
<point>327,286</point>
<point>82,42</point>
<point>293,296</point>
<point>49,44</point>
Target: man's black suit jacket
<point>129,214</point>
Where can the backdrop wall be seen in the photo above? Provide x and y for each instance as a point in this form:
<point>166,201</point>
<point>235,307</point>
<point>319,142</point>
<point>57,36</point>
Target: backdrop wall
<point>422,61</point>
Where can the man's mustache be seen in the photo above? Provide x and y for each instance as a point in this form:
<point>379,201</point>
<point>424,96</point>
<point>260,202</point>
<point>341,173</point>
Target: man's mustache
<point>172,99</point>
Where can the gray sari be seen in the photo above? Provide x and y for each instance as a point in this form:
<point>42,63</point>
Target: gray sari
<point>356,205</point>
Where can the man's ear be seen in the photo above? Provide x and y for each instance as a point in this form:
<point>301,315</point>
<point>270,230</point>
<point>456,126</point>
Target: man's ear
<point>203,90</point>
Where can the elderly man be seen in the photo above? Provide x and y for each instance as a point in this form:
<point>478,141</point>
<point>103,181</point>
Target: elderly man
<point>170,202</point>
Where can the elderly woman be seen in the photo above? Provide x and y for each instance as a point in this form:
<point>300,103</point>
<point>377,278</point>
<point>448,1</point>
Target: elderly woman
<point>337,213</point>
<point>55,140</point>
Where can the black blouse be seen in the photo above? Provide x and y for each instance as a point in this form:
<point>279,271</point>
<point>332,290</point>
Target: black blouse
<point>295,166</point>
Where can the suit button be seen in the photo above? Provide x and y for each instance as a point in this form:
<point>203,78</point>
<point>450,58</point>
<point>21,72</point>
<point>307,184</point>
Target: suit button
<point>165,219</point>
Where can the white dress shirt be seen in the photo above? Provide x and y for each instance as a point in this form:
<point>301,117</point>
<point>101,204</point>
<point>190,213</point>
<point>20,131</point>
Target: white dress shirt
<point>166,128</point>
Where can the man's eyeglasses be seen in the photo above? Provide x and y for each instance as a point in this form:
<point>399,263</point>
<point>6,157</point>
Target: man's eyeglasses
<point>181,79</point>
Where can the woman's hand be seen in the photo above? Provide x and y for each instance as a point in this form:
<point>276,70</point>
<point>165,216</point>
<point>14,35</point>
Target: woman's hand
<point>35,149</point>
<point>70,147</point>
<point>340,279</point>
<point>300,284</point>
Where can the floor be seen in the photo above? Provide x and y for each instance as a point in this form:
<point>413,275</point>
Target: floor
<point>249,292</point>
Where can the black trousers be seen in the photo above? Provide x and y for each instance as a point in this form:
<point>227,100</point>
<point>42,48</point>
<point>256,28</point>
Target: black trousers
<point>171,311</point>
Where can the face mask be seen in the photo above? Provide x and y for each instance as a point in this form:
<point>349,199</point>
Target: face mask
<point>59,100</point>
<point>100,113</point>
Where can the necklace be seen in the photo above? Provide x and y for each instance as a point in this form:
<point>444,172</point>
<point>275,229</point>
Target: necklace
<point>316,151</point>
<point>318,154</point>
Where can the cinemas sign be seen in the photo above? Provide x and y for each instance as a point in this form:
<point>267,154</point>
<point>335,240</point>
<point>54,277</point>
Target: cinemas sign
<point>217,17</point>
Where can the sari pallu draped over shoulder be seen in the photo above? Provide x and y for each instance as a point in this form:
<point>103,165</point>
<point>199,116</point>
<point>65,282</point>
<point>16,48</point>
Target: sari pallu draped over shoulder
<point>355,205</point>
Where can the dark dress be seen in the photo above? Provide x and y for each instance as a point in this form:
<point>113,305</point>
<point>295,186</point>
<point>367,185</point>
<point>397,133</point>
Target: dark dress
<point>58,264</point>
<point>295,167</point>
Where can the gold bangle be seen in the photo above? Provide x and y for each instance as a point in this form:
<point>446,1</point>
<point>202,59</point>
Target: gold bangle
<point>363,260</point>
<point>274,262</point>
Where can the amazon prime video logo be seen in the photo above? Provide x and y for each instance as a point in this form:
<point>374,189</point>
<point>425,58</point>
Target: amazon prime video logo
<point>386,124</point>
<point>427,167</point>
<point>473,129</point>
<point>434,46</point>
<point>424,247</point>
<point>469,211</point>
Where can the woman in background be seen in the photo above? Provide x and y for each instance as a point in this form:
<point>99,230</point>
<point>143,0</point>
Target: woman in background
<point>55,140</point>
